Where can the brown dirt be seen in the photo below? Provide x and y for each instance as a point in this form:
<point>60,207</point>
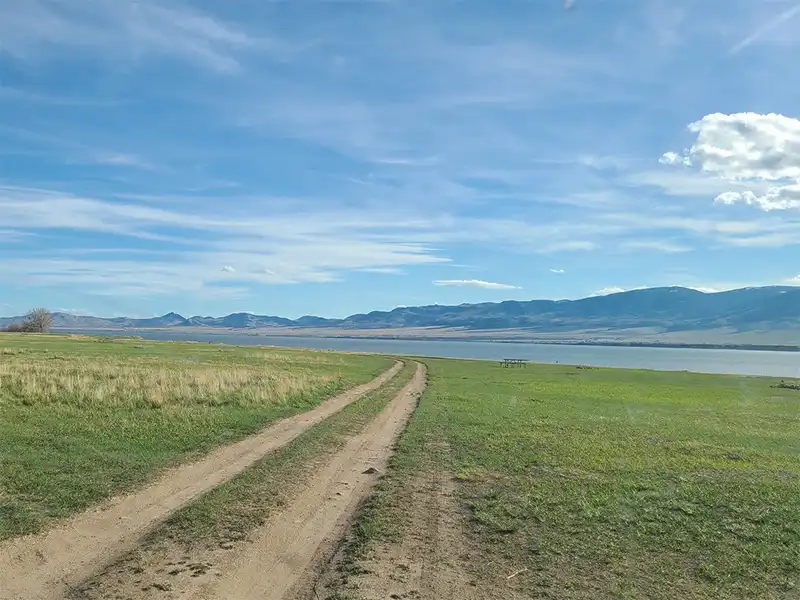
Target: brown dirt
<point>48,565</point>
<point>432,559</point>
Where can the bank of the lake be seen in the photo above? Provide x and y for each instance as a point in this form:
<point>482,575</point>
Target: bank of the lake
<point>738,362</point>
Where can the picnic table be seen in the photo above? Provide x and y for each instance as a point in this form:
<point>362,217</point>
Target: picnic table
<point>513,362</point>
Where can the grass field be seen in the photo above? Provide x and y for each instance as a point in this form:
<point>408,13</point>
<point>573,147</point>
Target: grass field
<point>83,418</point>
<point>601,483</point>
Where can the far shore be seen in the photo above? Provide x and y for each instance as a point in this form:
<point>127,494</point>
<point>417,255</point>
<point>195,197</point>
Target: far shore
<point>512,336</point>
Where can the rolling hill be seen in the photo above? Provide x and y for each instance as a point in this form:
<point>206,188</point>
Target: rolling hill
<point>666,309</point>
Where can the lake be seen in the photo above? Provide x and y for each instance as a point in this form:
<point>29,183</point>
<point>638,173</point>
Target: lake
<point>741,362</point>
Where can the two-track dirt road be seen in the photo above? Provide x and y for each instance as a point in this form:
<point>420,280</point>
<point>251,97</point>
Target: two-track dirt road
<point>282,554</point>
<point>47,566</point>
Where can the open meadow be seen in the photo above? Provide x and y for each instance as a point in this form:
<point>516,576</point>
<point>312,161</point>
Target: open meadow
<point>83,418</point>
<point>549,481</point>
<point>571,482</point>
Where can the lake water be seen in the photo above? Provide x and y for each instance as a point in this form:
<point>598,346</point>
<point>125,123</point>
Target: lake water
<point>742,362</point>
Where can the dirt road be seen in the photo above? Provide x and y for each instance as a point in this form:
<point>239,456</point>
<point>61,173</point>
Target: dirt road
<point>45,566</point>
<point>281,559</point>
<point>280,556</point>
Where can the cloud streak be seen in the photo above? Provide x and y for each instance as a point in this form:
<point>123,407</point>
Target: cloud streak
<point>123,29</point>
<point>759,33</point>
<point>184,249</point>
<point>479,283</point>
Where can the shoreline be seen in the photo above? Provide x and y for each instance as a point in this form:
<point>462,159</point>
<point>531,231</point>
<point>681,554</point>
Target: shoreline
<point>433,338</point>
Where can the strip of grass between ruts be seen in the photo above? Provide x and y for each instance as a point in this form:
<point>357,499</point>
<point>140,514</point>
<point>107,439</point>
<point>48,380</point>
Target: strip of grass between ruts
<point>604,483</point>
<point>84,418</point>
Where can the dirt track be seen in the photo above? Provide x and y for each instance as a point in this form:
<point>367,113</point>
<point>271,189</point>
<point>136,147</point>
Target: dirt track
<point>282,558</point>
<point>45,566</point>
<point>279,559</point>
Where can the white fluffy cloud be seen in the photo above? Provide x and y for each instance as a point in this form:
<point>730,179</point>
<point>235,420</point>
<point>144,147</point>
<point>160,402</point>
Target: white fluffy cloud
<point>673,158</point>
<point>747,148</point>
<point>228,269</point>
<point>776,198</point>
<point>558,271</point>
<point>489,285</point>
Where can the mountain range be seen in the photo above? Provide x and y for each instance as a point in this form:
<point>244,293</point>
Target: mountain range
<point>669,309</point>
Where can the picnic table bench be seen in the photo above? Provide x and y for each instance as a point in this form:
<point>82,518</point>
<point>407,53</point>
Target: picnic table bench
<point>513,362</point>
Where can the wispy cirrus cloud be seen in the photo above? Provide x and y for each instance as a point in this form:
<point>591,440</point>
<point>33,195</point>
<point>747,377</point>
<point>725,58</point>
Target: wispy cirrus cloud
<point>187,244</point>
<point>73,151</point>
<point>260,242</point>
<point>778,20</point>
<point>655,245</point>
<point>122,160</point>
<point>488,285</point>
<point>370,138</point>
<point>570,246</point>
<point>124,30</point>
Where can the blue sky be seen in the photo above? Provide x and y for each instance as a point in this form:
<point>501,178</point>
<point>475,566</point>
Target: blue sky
<point>336,157</point>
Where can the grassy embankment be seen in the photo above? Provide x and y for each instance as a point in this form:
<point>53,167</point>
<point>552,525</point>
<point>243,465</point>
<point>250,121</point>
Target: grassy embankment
<point>84,418</point>
<point>601,483</point>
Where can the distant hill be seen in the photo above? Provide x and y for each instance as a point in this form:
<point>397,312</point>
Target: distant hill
<point>668,309</point>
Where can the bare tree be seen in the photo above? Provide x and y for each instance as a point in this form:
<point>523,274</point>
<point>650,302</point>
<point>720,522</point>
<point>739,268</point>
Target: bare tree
<point>38,320</point>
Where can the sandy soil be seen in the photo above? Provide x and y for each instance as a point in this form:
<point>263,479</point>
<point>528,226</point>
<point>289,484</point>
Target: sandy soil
<point>48,565</point>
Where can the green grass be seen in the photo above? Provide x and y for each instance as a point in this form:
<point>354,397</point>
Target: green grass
<point>610,483</point>
<point>230,511</point>
<point>83,418</point>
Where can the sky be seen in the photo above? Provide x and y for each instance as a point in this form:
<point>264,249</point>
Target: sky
<point>332,157</point>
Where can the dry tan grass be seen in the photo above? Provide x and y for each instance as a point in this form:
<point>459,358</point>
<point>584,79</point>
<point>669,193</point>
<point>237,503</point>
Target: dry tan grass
<point>10,351</point>
<point>281,356</point>
<point>85,382</point>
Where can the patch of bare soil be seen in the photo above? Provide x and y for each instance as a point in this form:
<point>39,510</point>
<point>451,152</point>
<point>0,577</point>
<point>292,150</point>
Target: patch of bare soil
<point>48,565</point>
<point>431,560</point>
